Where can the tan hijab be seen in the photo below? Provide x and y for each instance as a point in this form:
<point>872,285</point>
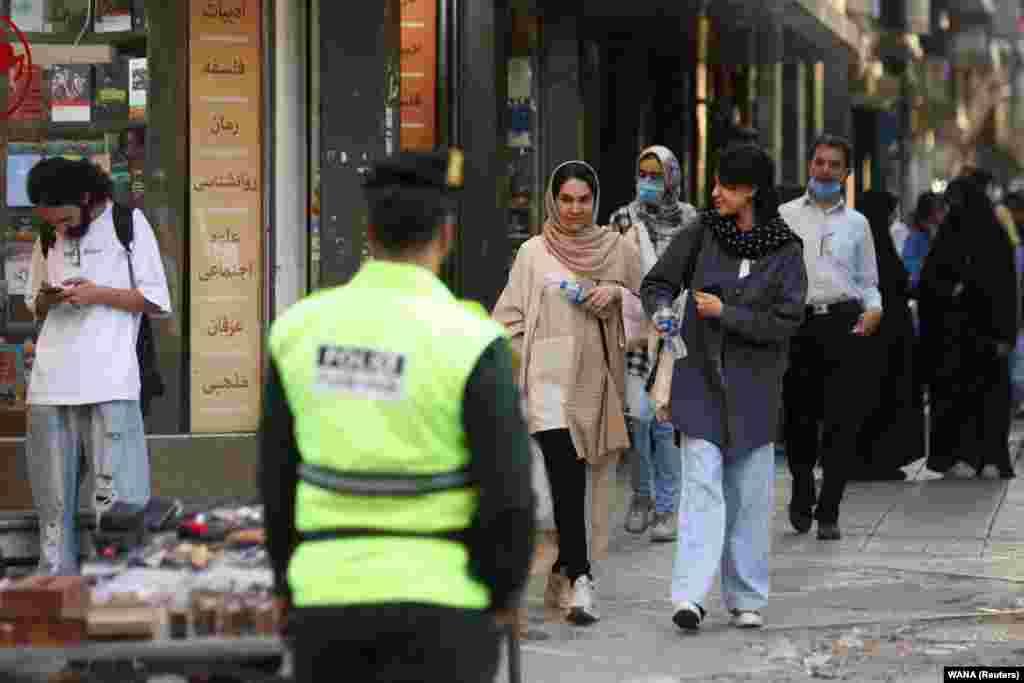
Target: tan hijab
<point>585,251</point>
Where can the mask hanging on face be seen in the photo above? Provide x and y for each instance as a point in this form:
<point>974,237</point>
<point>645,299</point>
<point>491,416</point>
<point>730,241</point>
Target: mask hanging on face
<point>824,190</point>
<point>650,191</point>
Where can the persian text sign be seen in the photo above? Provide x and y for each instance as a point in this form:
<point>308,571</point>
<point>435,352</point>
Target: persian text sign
<point>226,189</point>
<point>419,74</point>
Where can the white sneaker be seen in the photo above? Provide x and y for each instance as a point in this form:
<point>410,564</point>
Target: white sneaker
<point>990,472</point>
<point>581,609</point>
<point>688,616</point>
<point>961,470</point>
<point>665,527</point>
<point>742,618</point>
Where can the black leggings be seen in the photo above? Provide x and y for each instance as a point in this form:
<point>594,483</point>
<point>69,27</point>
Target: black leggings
<point>567,475</point>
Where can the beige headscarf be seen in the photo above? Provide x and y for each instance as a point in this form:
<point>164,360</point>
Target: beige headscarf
<point>584,251</point>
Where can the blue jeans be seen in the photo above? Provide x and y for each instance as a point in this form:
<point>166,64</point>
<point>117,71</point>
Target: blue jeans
<point>657,463</point>
<point>725,522</point>
<point>62,444</point>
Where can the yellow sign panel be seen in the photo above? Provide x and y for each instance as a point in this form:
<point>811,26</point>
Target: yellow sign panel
<point>226,192</point>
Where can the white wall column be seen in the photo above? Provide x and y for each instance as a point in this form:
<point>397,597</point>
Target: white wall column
<point>290,128</point>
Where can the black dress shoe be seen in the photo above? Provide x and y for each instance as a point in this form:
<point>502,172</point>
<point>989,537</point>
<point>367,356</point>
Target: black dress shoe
<point>828,532</point>
<point>800,520</point>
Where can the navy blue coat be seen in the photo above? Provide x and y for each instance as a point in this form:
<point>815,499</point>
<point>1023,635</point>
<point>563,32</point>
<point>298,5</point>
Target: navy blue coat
<point>728,388</point>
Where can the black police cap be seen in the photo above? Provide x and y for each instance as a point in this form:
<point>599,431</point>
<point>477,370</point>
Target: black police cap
<point>439,170</point>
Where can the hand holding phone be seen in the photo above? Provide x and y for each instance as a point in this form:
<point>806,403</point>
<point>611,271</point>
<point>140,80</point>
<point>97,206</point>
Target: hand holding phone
<point>50,289</point>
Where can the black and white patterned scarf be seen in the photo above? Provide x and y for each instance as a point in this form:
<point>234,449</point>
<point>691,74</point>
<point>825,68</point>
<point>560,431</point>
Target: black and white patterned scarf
<point>753,244</point>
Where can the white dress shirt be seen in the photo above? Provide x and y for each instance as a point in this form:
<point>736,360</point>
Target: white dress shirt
<point>839,252</point>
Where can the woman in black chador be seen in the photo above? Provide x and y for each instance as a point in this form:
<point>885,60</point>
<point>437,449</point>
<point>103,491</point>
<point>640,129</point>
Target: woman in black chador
<point>893,434</point>
<point>968,307</point>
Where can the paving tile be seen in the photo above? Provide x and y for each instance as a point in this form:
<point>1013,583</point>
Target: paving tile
<point>944,509</point>
<point>896,546</point>
<point>971,548</point>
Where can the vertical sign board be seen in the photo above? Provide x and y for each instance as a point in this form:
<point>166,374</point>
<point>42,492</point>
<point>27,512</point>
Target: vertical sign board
<point>419,75</point>
<point>226,193</point>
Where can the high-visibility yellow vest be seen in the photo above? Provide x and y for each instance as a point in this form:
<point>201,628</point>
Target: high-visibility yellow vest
<point>375,373</point>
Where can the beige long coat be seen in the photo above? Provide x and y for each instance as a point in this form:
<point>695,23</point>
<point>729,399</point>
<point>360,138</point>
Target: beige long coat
<point>594,402</point>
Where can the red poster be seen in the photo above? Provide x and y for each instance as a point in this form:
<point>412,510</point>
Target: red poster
<point>419,74</point>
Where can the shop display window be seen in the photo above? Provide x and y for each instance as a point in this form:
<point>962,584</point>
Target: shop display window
<point>525,192</point>
<point>97,80</point>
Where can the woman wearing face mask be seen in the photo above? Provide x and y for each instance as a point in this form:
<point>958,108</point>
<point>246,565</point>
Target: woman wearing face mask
<point>968,309</point>
<point>563,309</point>
<point>650,222</point>
<point>746,270</point>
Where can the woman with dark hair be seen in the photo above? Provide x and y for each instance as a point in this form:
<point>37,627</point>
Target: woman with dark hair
<point>745,270</point>
<point>893,433</point>
<point>968,308</point>
<point>563,309</point>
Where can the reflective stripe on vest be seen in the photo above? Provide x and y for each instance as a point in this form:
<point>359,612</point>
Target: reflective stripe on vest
<point>362,484</point>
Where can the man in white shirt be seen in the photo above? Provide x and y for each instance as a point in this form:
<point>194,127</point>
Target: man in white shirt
<point>824,382</point>
<point>83,394</point>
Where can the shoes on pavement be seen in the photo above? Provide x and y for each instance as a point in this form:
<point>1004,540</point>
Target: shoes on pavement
<point>800,519</point>
<point>828,532</point>
<point>558,592</point>
<point>747,618</point>
<point>990,472</point>
<point>688,616</point>
<point>665,527</point>
<point>641,510</point>
<point>961,470</point>
<point>581,609</point>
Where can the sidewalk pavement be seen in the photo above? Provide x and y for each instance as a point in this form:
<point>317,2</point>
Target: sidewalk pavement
<point>916,557</point>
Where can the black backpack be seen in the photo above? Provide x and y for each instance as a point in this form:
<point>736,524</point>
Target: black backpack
<point>145,345</point>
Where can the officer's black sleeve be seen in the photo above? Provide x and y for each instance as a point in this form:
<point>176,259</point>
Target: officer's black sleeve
<point>502,536</point>
<point>279,459</point>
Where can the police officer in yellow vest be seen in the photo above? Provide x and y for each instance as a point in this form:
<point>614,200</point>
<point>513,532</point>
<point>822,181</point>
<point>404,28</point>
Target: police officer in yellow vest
<point>395,461</point>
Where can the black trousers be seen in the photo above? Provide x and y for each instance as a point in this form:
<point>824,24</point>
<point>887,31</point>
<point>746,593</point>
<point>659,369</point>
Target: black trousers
<point>567,475</point>
<point>825,385</point>
<point>397,643</point>
<point>971,416</point>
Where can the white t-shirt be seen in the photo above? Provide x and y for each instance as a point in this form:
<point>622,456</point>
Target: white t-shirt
<point>86,354</point>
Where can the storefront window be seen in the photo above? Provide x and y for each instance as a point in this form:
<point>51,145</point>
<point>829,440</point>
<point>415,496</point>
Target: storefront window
<point>525,201</point>
<point>167,98</point>
<point>89,85</point>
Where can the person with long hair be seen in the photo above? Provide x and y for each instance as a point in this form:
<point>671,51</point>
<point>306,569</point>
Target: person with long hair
<point>968,308</point>
<point>650,221</point>
<point>892,435</point>
<point>563,310</point>
<point>745,272</point>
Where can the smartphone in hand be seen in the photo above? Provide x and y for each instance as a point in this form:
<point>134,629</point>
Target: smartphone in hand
<point>48,289</point>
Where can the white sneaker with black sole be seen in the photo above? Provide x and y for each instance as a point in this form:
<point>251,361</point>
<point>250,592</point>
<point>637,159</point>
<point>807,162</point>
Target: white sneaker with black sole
<point>688,616</point>
<point>747,618</point>
<point>581,609</point>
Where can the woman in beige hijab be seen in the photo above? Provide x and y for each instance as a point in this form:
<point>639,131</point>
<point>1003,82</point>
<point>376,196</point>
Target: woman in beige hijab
<point>572,370</point>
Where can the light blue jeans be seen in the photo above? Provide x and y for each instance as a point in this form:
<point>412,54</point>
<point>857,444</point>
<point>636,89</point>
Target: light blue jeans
<point>657,466</point>
<point>725,522</point>
<point>63,443</point>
